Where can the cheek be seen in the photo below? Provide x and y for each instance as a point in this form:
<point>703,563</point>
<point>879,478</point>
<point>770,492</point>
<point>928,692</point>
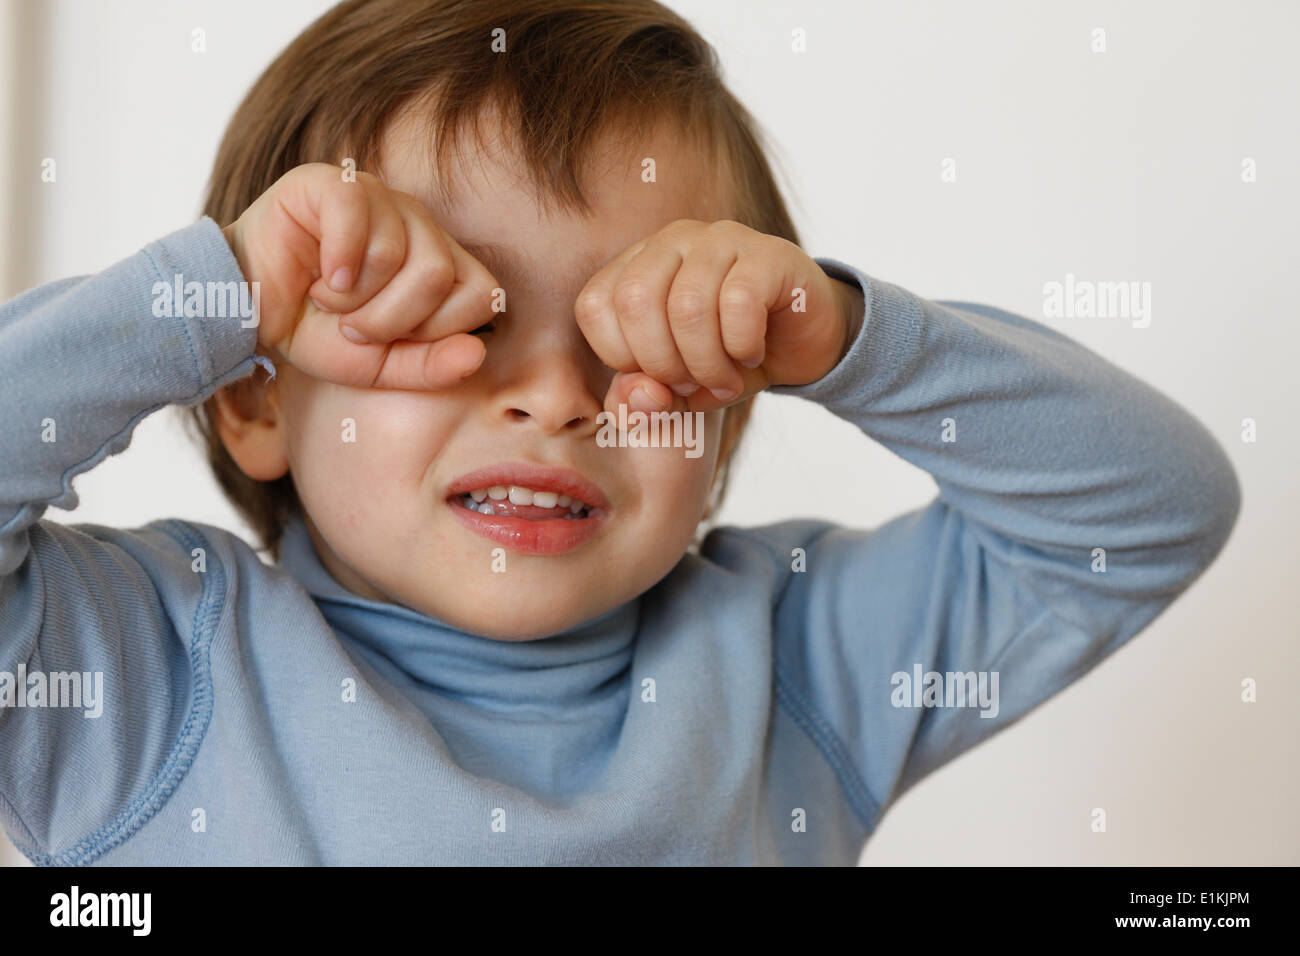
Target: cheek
<point>675,486</point>
<point>354,453</point>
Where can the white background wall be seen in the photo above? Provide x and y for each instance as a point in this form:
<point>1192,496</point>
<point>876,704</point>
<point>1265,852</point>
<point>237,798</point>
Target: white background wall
<point>1123,165</point>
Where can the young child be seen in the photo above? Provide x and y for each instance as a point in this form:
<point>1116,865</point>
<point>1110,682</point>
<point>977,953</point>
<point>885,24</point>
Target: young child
<point>474,227</point>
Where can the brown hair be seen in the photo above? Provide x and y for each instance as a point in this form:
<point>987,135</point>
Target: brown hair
<point>571,71</point>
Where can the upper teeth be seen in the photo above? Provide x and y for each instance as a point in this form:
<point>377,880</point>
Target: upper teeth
<point>526,496</point>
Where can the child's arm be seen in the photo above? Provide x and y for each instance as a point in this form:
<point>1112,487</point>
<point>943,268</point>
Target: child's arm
<point>1076,502</point>
<point>82,362</point>
<point>1049,462</point>
<point>85,359</point>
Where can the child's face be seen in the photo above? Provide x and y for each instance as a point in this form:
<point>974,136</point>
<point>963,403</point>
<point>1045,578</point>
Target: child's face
<point>381,509</point>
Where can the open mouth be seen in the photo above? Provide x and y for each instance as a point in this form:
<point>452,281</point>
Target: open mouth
<point>529,508</point>
<point>513,501</point>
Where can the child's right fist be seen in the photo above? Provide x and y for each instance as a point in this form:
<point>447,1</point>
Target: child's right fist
<point>359,284</point>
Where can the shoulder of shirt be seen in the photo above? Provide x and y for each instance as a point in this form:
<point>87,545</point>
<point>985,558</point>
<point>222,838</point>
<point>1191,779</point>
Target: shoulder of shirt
<point>189,556</point>
<point>776,544</point>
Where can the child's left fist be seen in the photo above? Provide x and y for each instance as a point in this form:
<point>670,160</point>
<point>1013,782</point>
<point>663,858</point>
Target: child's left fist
<point>715,312</point>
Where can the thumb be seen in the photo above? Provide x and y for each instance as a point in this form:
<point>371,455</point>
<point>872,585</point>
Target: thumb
<point>641,393</point>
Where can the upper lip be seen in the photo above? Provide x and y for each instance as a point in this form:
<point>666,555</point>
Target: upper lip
<point>563,481</point>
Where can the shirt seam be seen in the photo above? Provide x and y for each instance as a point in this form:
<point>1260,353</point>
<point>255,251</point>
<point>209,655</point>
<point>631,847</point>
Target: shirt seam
<point>12,813</point>
<point>832,749</point>
<point>189,335</point>
<point>816,727</point>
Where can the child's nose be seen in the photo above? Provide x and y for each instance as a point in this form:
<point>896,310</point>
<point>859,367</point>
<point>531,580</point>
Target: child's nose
<point>554,389</point>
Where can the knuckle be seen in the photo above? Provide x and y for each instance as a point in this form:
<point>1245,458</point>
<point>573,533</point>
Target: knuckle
<point>589,306</point>
<point>336,184</point>
<point>485,288</point>
<point>682,227</point>
<point>632,298</point>
<point>729,228</point>
<point>689,307</point>
<point>382,323</point>
<point>385,253</point>
<point>406,201</point>
<point>433,276</point>
<point>318,171</point>
<point>739,298</point>
<point>782,245</point>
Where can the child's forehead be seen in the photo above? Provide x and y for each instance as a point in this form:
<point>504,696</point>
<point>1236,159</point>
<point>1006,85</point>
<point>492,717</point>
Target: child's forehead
<point>659,168</point>
<point>489,203</point>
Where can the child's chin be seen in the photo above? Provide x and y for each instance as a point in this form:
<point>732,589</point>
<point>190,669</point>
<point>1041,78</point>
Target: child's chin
<point>510,617</point>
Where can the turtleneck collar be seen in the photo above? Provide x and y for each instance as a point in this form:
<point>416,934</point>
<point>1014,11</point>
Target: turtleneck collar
<point>558,670</point>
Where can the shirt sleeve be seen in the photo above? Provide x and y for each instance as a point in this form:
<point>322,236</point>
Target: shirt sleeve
<point>82,362</point>
<point>1075,503</point>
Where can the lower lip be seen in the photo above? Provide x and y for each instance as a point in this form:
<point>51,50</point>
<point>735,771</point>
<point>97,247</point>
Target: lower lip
<point>544,537</point>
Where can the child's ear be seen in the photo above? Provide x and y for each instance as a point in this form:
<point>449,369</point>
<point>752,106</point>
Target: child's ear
<point>251,426</point>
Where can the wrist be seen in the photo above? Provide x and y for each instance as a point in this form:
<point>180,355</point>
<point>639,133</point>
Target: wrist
<point>853,308</point>
<point>236,247</point>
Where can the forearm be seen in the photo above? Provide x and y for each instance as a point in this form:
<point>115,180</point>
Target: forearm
<point>84,360</point>
<point>1041,442</point>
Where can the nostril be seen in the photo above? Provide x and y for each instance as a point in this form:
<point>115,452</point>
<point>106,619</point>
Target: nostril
<point>577,422</point>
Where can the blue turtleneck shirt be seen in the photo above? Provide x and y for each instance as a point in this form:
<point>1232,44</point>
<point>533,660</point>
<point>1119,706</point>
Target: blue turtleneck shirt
<point>762,704</point>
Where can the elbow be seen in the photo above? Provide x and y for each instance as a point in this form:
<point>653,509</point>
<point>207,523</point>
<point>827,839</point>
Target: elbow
<point>1214,507</point>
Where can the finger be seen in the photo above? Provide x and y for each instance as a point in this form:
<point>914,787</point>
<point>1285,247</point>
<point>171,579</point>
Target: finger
<point>418,288</point>
<point>625,386</point>
<point>748,295</point>
<point>693,316</point>
<point>344,229</point>
<point>596,316</point>
<point>641,393</point>
<point>430,365</point>
<point>385,251</point>
<point>755,380</point>
<point>318,349</point>
<point>469,305</point>
<point>640,295</point>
